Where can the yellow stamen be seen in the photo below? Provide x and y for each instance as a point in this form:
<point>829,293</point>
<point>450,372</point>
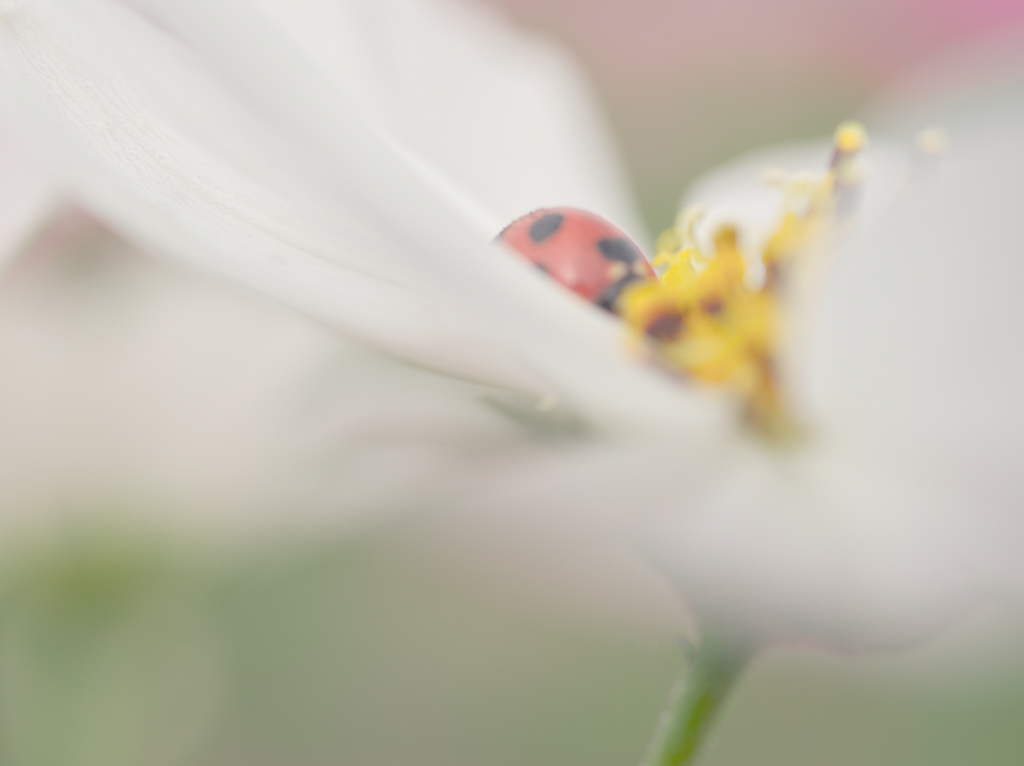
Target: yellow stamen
<point>850,138</point>
<point>710,317</point>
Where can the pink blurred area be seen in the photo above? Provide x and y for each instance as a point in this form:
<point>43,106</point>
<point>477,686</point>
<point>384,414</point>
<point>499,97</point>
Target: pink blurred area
<point>689,84</point>
<point>631,38</point>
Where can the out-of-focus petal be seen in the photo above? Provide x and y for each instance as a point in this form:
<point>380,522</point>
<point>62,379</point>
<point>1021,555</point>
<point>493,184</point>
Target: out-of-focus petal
<point>816,548</point>
<point>215,205</point>
<point>918,359</point>
<point>28,195</point>
<point>387,248</point>
<point>140,393</point>
<point>506,116</point>
<point>804,545</point>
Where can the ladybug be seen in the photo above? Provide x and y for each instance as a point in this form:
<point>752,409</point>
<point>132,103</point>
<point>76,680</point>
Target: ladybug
<point>591,256</point>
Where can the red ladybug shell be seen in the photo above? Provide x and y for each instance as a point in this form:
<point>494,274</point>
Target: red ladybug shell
<point>589,255</point>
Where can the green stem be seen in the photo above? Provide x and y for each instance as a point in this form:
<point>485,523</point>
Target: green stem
<point>696,700</point>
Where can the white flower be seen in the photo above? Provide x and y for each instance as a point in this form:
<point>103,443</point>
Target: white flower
<point>270,144</point>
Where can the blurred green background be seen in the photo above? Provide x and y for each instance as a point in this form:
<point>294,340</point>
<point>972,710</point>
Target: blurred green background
<point>383,650</point>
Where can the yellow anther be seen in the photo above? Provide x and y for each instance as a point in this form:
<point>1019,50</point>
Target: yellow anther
<point>850,137</point>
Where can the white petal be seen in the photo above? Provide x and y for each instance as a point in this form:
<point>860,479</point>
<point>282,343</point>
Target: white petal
<point>815,548</point>
<point>135,392</point>
<point>793,545</point>
<point>116,96</point>
<point>919,352</point>
<point>28,195</point>
<point>506,116</point>
<point>173,194</point>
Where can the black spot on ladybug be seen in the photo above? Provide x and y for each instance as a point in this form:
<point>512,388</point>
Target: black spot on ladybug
<point>618,250</point>
<point>542,267</point>
<point>610,295</point>
<point>666,327</point>
<point>545,226</point>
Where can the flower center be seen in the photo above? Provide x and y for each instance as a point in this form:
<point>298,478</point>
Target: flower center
<point>716,314</point>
